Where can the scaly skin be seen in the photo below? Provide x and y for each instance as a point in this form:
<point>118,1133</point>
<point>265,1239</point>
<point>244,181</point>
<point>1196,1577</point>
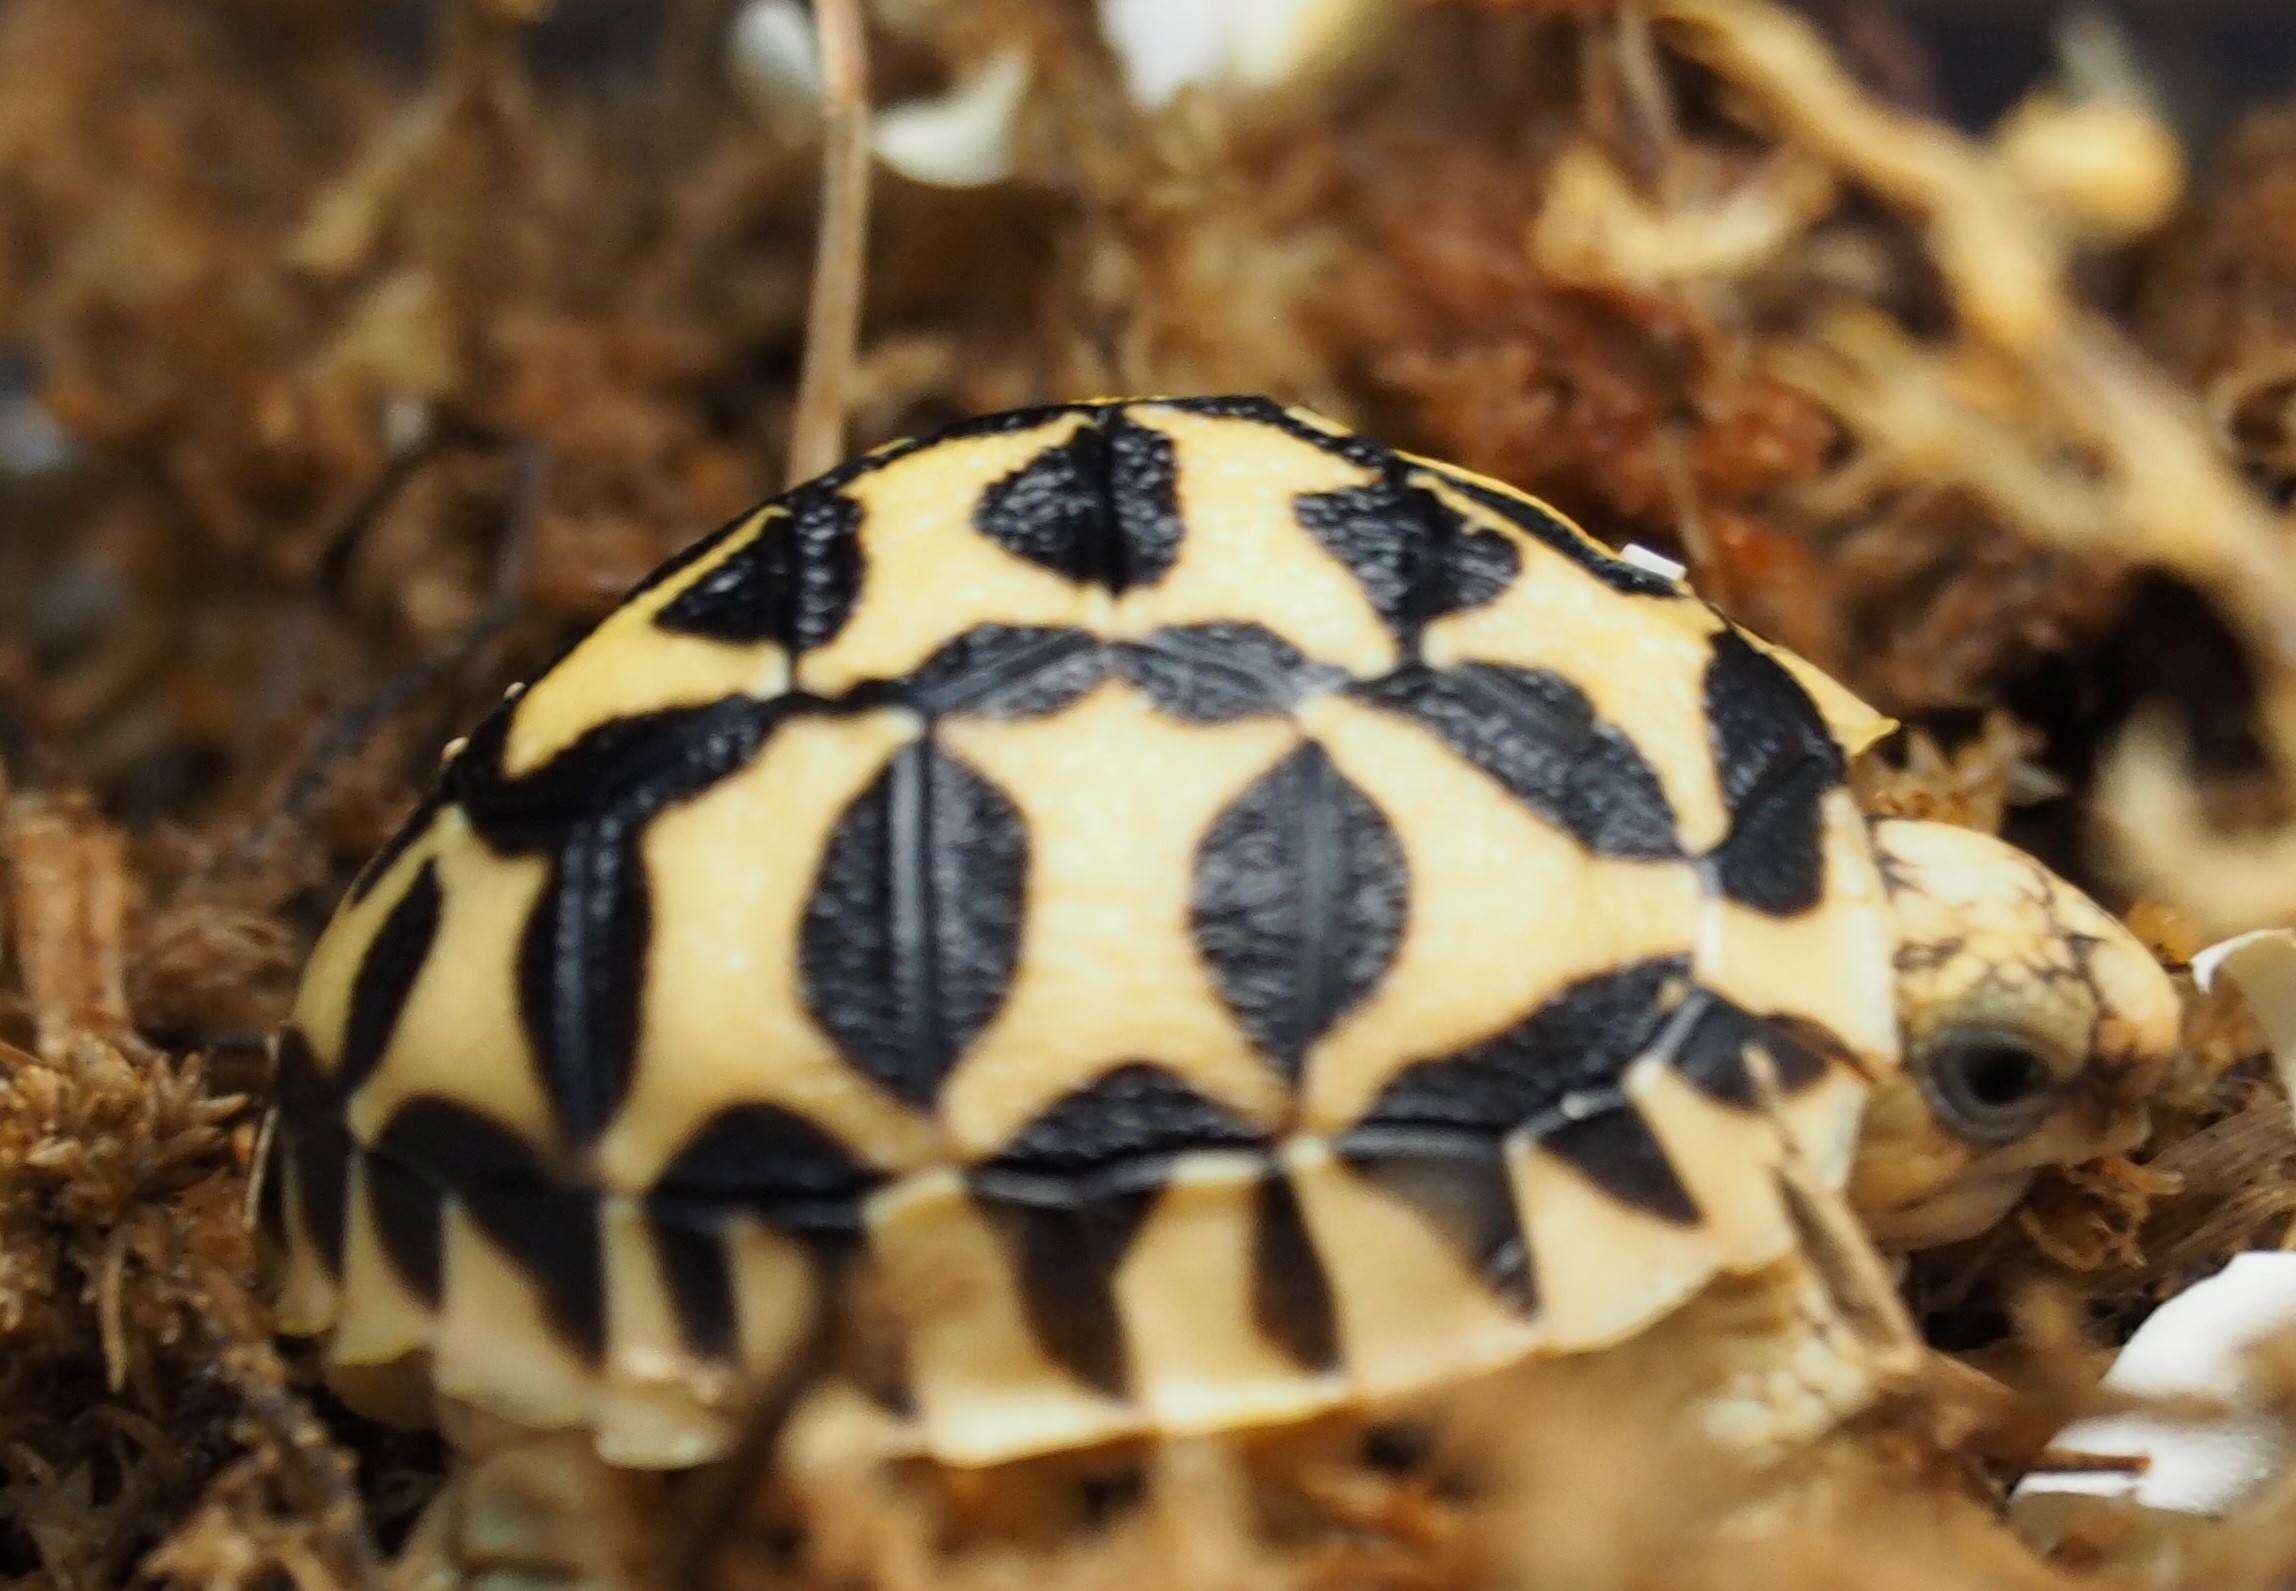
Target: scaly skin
<point>1989,939</point>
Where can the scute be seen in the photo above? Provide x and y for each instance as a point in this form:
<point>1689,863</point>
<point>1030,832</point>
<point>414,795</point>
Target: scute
<point>1210,918</point>
<point>1298,902</point>
<point>910,937</point>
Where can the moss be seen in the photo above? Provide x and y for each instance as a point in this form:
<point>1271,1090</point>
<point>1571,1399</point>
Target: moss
<point>379,381</point>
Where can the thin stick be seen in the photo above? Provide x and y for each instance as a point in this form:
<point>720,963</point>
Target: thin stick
<point>833,318</point>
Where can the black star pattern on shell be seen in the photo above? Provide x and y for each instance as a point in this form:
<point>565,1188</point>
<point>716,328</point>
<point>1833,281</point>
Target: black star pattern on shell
<point>1536,734</point>
<point>908,942</point>
<point>1102,506</point>
<point>1298,902</point>
<point>1546,527</point>
<point>795,582</point>
<point>1776,761</point>
<point>773,1161</point>
<point>582,958</point>
<point>545,1229</point>
<point>1415,559</point>
<point>1578,1043</point>
<point>909,939</point>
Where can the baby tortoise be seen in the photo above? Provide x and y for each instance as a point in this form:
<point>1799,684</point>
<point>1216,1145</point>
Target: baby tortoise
<point>1202,918</point>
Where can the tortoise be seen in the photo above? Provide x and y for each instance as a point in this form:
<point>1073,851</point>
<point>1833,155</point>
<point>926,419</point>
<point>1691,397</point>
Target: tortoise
<point>1200,918</point>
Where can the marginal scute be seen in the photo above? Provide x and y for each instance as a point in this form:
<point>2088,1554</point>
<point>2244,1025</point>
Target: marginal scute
<point>382,1318</point>
<point>1291,1297</point>
<point>321,1156</point>
<point>459,1147</point>
<point>1616,1150</point>
<point>1458,1185</point>
<point>272,1171</point>
<point>404,1205</point>
<point>309,1164</point>
<point>1414,1307</point>
<point>547,1229</point>
<point>1705,1041</point>
<point>699,1280</point>
<point>983,1384</point>
<point>304,1093</point>
<point>1802,1051</point>
<point>1065,1257</point>
<point>551,1235</point>
<point>1709,1040</point>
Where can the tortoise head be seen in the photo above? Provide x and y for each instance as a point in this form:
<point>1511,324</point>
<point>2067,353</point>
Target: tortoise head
<point>2034,1029</point>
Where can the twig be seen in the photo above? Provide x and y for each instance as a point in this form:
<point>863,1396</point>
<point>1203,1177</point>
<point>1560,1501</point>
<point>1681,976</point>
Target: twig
<point>833,317</point>
<point>712,1506</point>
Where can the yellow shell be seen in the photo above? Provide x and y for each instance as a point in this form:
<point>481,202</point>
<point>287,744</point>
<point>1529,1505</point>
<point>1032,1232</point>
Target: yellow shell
<point>1210,918</point>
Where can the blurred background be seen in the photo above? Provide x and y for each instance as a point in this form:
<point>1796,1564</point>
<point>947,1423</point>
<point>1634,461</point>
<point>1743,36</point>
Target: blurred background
<point>355,356</point>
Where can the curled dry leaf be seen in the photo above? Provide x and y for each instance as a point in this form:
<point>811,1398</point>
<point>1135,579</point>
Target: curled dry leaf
<point>2262,966</point>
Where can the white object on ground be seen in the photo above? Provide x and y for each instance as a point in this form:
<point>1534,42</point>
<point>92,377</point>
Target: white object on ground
<point>961,139</point>
<point>2262,966</point>
<point>773,56</point>
<point>958,139</point>
<point>31,442</point>
<point>1165,46</point>
<point>2190,1346</point>
<point>2194,1344</point>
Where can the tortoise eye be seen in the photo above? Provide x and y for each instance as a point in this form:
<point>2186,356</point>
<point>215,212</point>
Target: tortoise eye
<point>1987,1084</point>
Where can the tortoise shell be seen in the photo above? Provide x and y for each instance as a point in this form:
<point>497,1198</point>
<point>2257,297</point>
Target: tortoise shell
<point>1205,917</point>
